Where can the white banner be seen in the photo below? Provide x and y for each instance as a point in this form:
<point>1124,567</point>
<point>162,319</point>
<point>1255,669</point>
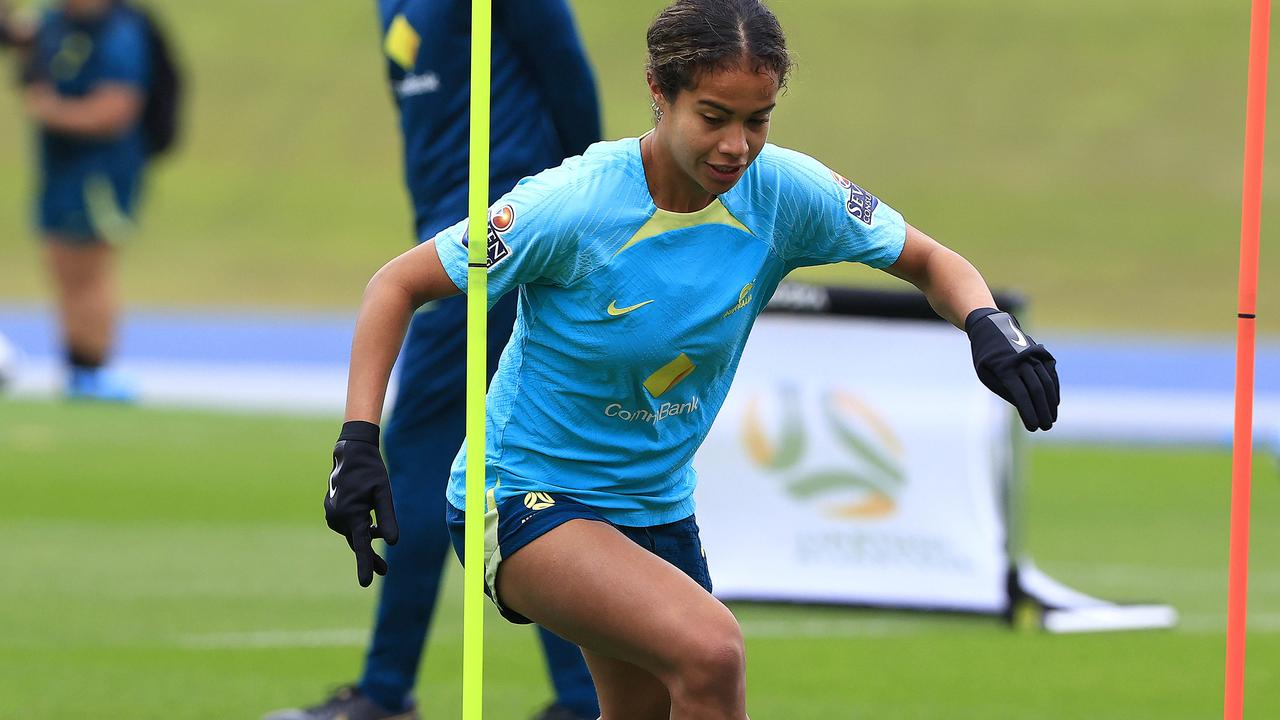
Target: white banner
<point>857,461</point>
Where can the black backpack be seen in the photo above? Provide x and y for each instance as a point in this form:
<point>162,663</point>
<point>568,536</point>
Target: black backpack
<point>161,112</point>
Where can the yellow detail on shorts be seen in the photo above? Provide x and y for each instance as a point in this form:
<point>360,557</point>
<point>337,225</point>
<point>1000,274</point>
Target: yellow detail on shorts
<point>669,375</point>
<point>492,551</point>
<point>664,221</point>
<point>401,43</point>
<point>105,214</point>
<point>538,501</point>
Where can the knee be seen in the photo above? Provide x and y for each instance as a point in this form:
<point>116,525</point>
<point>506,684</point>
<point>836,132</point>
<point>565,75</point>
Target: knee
<point>714,662</point>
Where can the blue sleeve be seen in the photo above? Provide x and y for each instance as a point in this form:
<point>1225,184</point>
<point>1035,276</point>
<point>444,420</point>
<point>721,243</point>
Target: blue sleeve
<point>125,59</point>
<point>542,33</point>
<point>527,239</point>
<point>825,218</point>
<point>46,44</point>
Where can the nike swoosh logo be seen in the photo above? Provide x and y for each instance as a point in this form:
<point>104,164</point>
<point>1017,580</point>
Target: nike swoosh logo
<point>1020,340</point>
<point>615,311</point>
<point>337,468</point>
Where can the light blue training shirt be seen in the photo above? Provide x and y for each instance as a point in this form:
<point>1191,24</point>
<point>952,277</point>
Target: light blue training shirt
<point>632,319</point>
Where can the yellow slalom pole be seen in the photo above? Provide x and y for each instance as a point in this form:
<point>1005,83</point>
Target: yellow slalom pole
<point>477,364</point>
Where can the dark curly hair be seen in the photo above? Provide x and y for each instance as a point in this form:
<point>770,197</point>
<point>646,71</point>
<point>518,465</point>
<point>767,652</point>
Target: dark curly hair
<point>691,37</point>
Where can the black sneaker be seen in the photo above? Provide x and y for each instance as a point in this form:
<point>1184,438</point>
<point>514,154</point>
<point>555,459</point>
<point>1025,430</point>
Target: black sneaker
<point>556,711</point>
<point>346,703</point>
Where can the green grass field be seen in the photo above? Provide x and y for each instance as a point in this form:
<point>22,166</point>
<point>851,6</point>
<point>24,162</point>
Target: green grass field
<point>1088,153</point>
<point>163,564</point>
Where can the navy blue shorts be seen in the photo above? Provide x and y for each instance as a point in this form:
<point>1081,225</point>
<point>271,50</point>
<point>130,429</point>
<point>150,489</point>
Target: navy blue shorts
<point>518,521</point>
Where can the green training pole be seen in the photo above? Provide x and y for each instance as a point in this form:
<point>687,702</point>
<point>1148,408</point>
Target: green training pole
<point>477,364</point>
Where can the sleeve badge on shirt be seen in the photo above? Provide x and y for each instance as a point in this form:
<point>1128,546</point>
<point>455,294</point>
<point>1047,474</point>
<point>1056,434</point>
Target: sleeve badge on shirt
<point>861,204</point>
<point>500,221</point>
<point>401,43</point>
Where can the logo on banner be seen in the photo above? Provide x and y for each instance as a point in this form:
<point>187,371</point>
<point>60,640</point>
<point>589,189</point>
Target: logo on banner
<point>863,484</point>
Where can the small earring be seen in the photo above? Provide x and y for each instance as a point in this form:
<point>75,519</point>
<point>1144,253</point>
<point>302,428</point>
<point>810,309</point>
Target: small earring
<point>657,111</point>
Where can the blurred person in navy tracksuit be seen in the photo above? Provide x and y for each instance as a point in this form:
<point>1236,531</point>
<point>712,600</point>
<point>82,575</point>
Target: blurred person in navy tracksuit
<point>544,109</point>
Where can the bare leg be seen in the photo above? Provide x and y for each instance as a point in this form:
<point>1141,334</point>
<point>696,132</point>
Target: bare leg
<point>626,691</point>
<point>638,619</point>
<point>85,289</point>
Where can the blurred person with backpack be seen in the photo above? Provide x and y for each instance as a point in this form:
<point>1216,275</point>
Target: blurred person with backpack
<point>99,85</point>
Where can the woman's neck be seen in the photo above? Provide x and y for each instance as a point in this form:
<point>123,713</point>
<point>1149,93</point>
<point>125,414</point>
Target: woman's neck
<point>671,189</point>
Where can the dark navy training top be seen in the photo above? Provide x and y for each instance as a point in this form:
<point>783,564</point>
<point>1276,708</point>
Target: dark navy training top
<point>544,104</point>
<point>77,58</point>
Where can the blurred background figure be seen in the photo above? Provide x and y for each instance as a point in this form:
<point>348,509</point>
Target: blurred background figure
<point>545,108</point>
<point>89,71</point>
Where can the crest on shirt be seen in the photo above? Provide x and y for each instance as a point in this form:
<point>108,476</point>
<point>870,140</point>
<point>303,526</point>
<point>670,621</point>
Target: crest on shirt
<point>861,204</point>
<point>500,221</point>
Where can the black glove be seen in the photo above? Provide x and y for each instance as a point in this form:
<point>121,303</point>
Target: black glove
<point>1014,366</point>
<point>357,486</point>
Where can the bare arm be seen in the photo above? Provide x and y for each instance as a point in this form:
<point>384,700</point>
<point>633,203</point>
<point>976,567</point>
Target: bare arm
<point>952,285</point>
<point>408,281</point>
<point>1007,361</point>
<point>109,111</point>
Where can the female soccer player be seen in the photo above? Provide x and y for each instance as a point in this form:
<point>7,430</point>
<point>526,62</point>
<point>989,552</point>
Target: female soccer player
<point>641,266</point>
